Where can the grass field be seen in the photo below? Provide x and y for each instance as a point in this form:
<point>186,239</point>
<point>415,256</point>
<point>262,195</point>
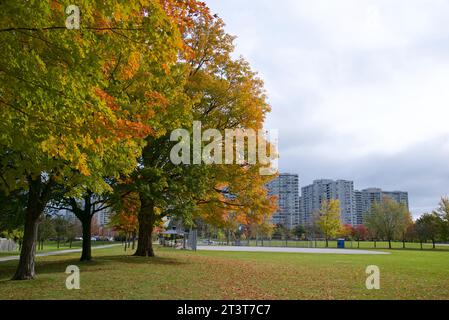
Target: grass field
<point>333,244</point>
<point>52,246</point>
<point>233,275</point>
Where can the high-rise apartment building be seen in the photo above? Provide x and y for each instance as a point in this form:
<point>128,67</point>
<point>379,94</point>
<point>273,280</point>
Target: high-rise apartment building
<point>325,190</point>
<point>398,196</point>
<point>103,218</point>
<point>296,209</point>
<point>375,195</point>
<point>286,188</point>
<point>358,201</point>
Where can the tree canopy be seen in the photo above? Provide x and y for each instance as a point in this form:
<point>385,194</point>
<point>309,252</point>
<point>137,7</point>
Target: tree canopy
<point>88,111</point>
<point>388,220</point>
<point>328,219</point>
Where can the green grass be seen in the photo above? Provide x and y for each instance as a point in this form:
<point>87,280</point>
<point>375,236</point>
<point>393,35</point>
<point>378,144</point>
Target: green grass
<point>333,244</point>
<point>53,246</point>
<point>235,275</point>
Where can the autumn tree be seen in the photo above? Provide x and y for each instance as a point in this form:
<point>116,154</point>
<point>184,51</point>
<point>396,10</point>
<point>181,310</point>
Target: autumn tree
<point>347,231</point>
<point>429,228</point>
<point>388,220</point>
<point>77,104</point>
<point>405,225</point>
<point>328,219</point>
<point>124,219</point>
<point>443,213</point>
<point>221,93</point>
<point>46,230</point>
<point>360,233</point>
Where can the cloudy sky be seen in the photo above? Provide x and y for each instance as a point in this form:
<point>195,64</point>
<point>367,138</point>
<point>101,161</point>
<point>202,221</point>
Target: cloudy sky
<point>359,88</point>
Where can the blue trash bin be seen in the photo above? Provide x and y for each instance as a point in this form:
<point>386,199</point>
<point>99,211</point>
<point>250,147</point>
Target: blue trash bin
<point>341,243</point>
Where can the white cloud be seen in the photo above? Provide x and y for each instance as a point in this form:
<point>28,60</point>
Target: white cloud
<point>351,80</point>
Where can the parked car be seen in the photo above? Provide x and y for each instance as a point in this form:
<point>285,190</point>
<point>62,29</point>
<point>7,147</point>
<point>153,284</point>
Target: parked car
<point>107,239</point>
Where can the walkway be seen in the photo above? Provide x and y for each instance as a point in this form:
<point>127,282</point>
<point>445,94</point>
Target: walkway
<point>291,250</point>
<point>54,253</point>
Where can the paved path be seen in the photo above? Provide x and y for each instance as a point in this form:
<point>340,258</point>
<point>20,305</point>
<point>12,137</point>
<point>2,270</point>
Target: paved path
<point>55,253</point>
<point>291,250</point>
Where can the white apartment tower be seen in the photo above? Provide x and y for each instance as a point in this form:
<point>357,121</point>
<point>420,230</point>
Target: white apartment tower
<point>366,198</point>
<point>324,190</point>
<point>286,188</point>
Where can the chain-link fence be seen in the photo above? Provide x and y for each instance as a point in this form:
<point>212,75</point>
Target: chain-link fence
<point>320,243</point>
<point>273,242</point>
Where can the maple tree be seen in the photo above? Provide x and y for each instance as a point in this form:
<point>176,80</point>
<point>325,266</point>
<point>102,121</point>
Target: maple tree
<point>124,220</point>
<point>78,104</point>
<point>223,93</point>
<point>360,233</point>
<point>347,231</point>
<point>85,108</point>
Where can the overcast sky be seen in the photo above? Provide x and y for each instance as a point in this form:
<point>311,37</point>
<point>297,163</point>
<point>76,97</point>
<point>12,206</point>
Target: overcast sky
<point>359,88</point>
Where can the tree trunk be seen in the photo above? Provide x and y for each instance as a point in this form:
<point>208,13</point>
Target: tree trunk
<point>146,220</point>
<point>38,197</point>
<point>389,243</point>
<point>86,223</point>
<point>327,243</point>
<point>134,241</point>
<point>434,245</point>
<point>25,269</point>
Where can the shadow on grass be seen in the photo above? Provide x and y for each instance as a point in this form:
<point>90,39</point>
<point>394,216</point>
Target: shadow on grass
<point>8,269</point>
